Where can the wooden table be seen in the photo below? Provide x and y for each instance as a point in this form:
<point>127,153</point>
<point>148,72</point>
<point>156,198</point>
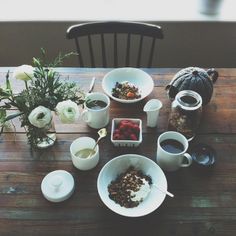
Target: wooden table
<point>204,202</point>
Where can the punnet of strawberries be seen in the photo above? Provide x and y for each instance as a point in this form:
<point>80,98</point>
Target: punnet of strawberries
<point>126,130</point>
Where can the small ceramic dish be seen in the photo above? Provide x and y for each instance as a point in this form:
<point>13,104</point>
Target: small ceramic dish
<point>137,77</point>
<point>203,155</point>
<point>123,139</point>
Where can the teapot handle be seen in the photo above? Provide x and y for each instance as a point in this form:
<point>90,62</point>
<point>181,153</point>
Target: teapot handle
<point>172,91</point>
<point>213,74</point>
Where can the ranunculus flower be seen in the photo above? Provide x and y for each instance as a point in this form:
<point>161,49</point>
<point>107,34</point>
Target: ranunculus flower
<point>24,72</point>
<point>68,111</point>
<point>40,117</point>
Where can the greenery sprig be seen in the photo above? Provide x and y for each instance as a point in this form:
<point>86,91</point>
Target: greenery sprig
<point>44,88</point>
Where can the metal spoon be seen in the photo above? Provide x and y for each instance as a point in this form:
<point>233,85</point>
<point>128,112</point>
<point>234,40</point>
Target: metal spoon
<point>163,190</point>
<point>91,85</point>
<point>102,133</point>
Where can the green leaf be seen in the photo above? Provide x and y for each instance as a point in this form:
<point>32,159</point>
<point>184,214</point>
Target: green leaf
<point>4,94</point>
<point>3,114</point>
<point>36,62</point>
<point>43,52</point>
<point>8,84</point>
<point>6,106</point>
<point>12,116</point>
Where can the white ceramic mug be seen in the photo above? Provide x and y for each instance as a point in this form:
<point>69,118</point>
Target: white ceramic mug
<point>84,163</point>
<point>96,118</point>
<point>172,161</point>
<point>152,108</point>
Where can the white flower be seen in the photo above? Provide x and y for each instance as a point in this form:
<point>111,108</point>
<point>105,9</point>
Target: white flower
<point>68,111</point>
<point>40,117</point>
<point>24,72</point>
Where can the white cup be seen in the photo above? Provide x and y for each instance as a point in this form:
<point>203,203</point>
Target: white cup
<point>96,118</point>
<point>172,161</point>
<point>84,163</point>
<point>152,108</point>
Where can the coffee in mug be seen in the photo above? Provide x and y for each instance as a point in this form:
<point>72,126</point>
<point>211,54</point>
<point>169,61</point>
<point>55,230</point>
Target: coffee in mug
<point>171,151</point>
<point>96,110</point>
<point>96,104</point>
<point>172,146</point>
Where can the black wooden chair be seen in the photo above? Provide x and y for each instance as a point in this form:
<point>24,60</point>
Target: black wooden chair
<point>115,44</point>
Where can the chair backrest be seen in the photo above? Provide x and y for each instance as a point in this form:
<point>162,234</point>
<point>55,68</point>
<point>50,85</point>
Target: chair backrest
<point>122,34</point>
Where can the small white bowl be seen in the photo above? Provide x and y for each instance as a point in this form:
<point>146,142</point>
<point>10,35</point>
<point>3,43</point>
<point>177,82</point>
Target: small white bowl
<point>125,142</point>
<point>137,77</point>
<point>119,165</point>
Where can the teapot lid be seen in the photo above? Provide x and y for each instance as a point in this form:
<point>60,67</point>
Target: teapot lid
<point>57,186</point>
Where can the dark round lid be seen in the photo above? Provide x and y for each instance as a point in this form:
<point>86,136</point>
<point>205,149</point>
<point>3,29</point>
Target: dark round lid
<point>203,154</point>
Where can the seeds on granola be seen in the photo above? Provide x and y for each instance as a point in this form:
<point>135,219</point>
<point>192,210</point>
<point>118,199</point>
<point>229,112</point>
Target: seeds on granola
<point>130,188</point>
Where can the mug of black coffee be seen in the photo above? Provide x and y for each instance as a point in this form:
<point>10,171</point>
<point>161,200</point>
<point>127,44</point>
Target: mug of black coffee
<point>96,110</point>
<point>171,151</point>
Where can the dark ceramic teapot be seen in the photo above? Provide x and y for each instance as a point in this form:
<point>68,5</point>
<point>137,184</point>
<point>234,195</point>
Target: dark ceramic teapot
<point>196,79</point>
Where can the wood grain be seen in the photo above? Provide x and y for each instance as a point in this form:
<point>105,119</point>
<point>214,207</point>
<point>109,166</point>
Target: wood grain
<point>204,202</point>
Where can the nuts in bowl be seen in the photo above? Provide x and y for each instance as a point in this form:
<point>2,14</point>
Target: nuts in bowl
<point>126,132</point>
<point>126,90</point>
<point>131,197</point>
<point>127,85</point>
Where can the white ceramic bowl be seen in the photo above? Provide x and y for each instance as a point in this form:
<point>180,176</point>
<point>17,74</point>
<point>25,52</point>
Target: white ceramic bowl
<point>125,142</point>
<point>138,77</point>
<point>119,165</point>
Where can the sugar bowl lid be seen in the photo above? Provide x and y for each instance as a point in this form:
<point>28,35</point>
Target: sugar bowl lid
<point>57,186</point>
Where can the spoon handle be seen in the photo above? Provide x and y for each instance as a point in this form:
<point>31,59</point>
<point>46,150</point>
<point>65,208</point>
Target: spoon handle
<point>91,85</point>
<point>95,145</point>
<point>164,191</point>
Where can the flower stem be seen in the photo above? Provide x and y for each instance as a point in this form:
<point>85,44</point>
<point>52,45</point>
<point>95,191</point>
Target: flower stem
<point>26,86</point>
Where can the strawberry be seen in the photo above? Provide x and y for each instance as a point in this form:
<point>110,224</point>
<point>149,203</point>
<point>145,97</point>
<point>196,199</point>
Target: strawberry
<point>122,127</point>
<point>126,134</point>
<point>124,122</point>
<point>131,127</point>
<point>116,136</point>
<point>116,131</point>
<point>136,128</point>
<point>133,137</point>
<point>126,130</point>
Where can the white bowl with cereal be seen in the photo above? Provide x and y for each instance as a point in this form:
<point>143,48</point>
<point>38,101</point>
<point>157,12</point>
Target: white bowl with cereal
<point>138,175</point>
<point>127,84</point>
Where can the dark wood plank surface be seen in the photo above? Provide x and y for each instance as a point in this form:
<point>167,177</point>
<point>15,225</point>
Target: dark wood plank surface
<point>205,200</point>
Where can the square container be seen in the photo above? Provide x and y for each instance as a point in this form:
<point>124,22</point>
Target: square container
<point>126,142</point>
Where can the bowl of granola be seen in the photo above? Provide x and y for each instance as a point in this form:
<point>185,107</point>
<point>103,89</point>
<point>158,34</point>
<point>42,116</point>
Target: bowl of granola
<point>127,85</point>
<point>126,185</point>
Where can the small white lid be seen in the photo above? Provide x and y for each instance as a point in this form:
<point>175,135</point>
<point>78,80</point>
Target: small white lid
<point>58,186</point>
